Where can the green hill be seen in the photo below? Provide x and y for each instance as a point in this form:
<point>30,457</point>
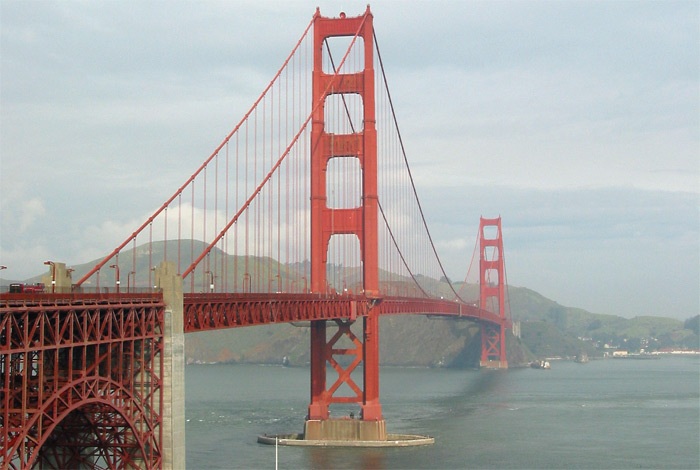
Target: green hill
<point>548,328</point>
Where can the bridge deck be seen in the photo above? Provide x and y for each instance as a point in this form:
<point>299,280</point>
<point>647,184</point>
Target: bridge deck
<point>216,311</point>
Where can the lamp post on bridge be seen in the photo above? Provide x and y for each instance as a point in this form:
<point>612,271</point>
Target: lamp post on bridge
<point>128,280</point>
<point>116,267</point>
<point>154,270</point>
<point>211,283</point>
<point>53,275</point>
<point>69,272</point>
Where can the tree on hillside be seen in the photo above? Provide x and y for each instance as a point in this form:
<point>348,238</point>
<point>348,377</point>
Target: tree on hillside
<point>691,342</point>
<point>693,324</point>
<point>594,325</point>
<point>558,314</point>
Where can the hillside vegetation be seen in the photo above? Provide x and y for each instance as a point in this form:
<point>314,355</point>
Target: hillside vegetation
<point>547,328</point>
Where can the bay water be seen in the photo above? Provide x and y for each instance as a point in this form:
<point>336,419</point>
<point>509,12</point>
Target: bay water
<point>606,414</point>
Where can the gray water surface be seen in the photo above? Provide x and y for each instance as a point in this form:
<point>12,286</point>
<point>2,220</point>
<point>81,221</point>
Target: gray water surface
<point>608,414</point>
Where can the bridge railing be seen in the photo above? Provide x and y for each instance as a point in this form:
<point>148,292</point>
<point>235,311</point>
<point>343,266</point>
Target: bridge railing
<point>88,296</point>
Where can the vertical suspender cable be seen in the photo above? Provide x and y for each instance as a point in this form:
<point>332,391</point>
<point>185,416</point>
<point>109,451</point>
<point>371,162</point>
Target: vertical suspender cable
<point>224,264</point>
<point>191,238</point>
<point>179,232</point>
<point>403,152</point>
<point>165,235</point>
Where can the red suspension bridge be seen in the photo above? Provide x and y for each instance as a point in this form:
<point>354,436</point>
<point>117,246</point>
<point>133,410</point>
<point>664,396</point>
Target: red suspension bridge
<point>306,212</point>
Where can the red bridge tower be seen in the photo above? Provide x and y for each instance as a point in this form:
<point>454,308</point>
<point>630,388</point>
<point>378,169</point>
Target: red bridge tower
<point>359,221</point>
<point>492,295</point>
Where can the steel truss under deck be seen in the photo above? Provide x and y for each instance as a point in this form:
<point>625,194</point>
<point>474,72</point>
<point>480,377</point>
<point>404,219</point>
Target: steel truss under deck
<point>81,381</point>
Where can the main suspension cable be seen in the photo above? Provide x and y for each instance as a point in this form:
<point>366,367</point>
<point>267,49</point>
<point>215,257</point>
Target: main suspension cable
<point>386,221</point>
<point>408,168</point>
<point>274,168</point>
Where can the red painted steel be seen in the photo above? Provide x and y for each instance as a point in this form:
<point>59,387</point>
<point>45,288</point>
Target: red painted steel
<point>492,343</point>
<point>81,381</point>
<point>492,291</point>
<point>215,311</point>
<point>360,221</point>
<point>204,312</point>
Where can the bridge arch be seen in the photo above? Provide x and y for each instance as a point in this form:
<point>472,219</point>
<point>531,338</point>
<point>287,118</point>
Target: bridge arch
<point>101,394</point>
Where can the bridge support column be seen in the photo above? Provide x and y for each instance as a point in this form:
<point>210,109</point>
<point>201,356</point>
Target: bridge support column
<point>58,280</point>
<point>318,409</point>
<point>173,443</point>
<point>360,221</point>
<point>371,409</point>
<point>493,347</point>
<point>371,426</point>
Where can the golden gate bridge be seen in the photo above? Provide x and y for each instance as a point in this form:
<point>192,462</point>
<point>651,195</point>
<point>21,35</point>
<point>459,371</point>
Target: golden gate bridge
<point>306,212</point>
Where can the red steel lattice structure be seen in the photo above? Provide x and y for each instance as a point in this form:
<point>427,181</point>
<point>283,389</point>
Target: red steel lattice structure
<point>205,312</point>
<point>81,381</point>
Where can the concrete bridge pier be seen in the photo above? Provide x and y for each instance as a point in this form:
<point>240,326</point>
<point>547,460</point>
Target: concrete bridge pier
<point>173,450</point>
<point>58,280</point>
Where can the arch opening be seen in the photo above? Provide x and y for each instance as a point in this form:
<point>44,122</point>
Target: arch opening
<point>94,436</point>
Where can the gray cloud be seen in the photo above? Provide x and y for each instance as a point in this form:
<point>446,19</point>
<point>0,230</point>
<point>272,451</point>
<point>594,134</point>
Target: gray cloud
<point>577,122</point>
<point>615,251</point>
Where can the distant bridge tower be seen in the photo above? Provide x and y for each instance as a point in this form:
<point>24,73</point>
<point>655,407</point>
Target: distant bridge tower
<point>492,295</point>
<point>360,221</point>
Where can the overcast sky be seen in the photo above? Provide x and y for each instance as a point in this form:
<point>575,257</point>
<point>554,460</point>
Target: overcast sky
<point>577,122</point>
